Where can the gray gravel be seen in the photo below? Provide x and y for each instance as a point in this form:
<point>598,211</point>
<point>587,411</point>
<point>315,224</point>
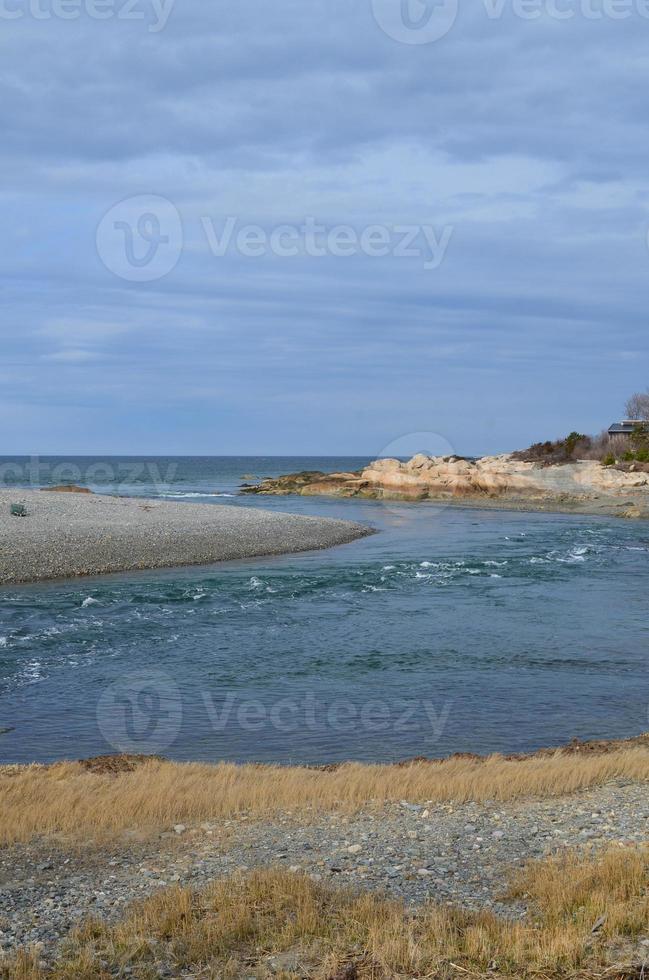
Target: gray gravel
<point>455,853</point>
<point>69,534</point>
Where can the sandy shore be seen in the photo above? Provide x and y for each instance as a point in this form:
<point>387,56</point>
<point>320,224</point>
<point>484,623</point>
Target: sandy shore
<point>71,534</point>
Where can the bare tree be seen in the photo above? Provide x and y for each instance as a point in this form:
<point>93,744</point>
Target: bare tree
<point>637,406</point>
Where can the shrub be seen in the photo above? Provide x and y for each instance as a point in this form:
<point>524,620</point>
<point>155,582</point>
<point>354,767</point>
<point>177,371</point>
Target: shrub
<point>639,438</point>
<point>572,440</point>
<point>642,455</point>
<point>574,446</point>
<point>628,456</point>
<point>609,460</point>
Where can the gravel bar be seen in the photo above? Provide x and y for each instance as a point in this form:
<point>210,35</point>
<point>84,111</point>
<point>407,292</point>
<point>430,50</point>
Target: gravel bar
<point>71,534</point>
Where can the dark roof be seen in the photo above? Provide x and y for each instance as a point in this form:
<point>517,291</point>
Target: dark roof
<point>623,427</point>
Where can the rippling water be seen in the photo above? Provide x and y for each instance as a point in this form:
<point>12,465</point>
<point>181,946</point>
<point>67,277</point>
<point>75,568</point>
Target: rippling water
<point>451,630</point>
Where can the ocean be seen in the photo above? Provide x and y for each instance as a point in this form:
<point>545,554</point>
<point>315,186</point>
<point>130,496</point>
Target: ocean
<point>450,630</point>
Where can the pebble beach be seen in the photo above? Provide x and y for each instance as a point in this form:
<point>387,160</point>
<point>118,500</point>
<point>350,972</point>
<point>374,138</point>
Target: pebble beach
<point>73,534</point>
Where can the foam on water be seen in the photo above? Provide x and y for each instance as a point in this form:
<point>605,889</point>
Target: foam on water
<point>179,496</point>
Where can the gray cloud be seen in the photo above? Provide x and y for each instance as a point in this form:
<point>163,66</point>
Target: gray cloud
<point>527,137</point>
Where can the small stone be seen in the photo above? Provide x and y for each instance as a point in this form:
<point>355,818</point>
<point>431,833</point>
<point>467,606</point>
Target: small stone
<point>354,849</point>
<point>179,828</point>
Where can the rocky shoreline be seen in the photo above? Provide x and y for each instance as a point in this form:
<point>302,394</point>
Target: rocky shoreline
<point>459,854</point>
<point>586,486</point>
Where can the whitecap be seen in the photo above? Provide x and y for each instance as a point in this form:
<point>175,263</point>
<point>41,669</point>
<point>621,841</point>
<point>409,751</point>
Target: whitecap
<point>32,671</point>
<point>195,495</point>
<point>89,601</point>
<point>570,559</point>
<point>389,568</point>
<point>3,641</point>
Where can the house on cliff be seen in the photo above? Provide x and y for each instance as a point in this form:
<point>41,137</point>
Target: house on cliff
<point>620,430</point>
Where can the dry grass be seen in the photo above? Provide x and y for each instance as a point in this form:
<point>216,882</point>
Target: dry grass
<point>71,799</point>
<point>235,928</point>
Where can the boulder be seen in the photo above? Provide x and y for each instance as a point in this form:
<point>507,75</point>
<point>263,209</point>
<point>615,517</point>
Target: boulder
<point>66,489</point>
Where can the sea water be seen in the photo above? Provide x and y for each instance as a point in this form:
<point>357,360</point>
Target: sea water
<point>452,629</point>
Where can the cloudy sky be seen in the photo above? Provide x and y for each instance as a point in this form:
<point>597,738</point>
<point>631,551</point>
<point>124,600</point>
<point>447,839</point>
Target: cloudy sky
<point>479,266</point>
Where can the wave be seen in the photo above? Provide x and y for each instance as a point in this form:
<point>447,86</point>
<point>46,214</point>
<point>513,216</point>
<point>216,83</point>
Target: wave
<point>172,495</point>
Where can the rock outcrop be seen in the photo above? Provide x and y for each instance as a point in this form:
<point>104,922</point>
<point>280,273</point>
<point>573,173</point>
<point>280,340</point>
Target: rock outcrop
<point>66,488</point>
<point>498,478</point>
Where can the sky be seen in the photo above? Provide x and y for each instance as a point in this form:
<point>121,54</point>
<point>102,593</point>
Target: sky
<point>323,227</point>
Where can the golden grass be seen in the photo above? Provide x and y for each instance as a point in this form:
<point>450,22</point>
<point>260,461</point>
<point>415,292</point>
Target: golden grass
<point>70,799</point>
<point>234,928</point>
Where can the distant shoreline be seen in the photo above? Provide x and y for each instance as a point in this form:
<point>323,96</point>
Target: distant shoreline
<point>492,482</point>
<point>68,535</point>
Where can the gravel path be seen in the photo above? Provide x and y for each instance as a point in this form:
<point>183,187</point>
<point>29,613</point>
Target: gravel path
<point>455,853</point>
<point>68,534</point>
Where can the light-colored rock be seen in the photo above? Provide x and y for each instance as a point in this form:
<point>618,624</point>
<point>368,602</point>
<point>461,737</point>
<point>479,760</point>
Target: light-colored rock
<point>585,484</point>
